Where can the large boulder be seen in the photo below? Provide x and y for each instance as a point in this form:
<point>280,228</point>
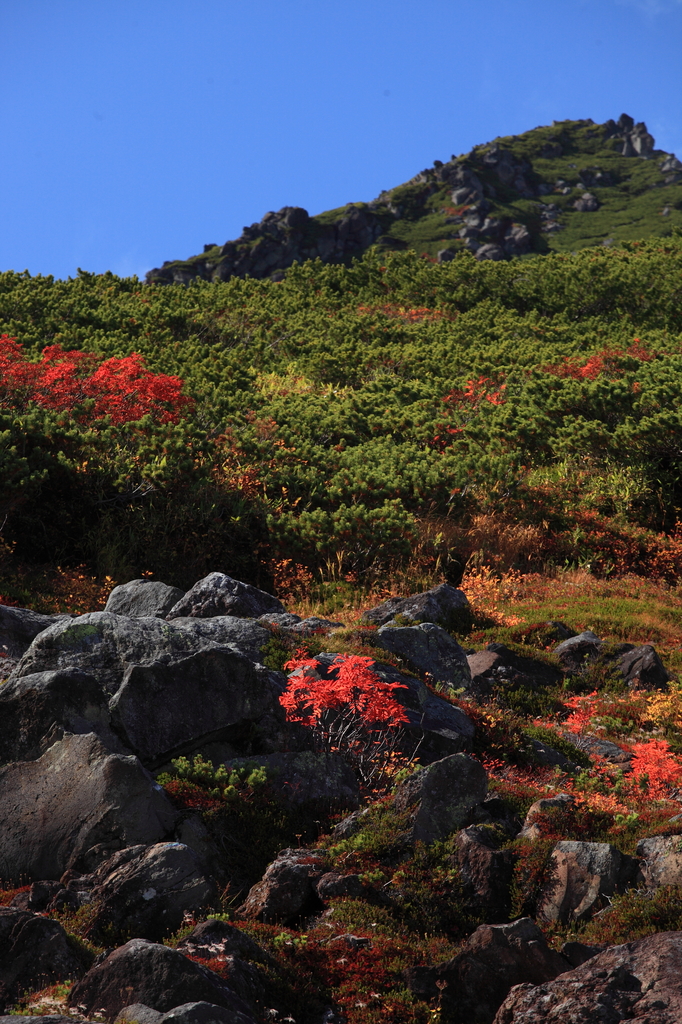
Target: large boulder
<point>104,645</point>
<point>579,652</point>
<point>214,937</point>
<point>148,973</point>
<point>244,635</point>
<point>582,874</point>
<point>498,665</point>
<point>218,594</point>
<point>639,981</point>
<point>145,891</point>
<point>163,710</point>
<point>316,782</point>
<point>441,797</point>
<point>34,953</point>
<point>202,1012</point>
<point>642,669</point>
<point>429,651</point>
<point>74,806</point>
<point>660,860</point>
<point>143,598</point>
<point>19,626</point>
<point>36,710</point>
<point>444,605</point>
<point>286,893</point>
<point>472,985</point>
<point>487,871</point>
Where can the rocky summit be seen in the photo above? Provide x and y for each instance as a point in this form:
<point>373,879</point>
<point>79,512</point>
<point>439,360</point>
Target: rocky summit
<point>217,812</point>
<point>557,188</point>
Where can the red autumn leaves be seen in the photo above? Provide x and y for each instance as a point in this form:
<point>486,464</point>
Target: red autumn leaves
<point>122,389</point>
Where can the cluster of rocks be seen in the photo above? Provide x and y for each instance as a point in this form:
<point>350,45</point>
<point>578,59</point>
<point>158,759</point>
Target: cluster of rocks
<point>636,139</point>
<point>95,704</point>
<point>267,248</point>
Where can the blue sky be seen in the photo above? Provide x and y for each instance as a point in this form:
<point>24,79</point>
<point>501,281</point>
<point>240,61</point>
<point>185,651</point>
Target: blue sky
<point>137,131</point>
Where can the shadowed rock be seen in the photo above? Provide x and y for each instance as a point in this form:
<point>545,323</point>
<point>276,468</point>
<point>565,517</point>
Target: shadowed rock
<point>158,977</point>
<point>639,981</point>
<point>428,650</point>
<point>472,985</point>
<point>74,806</point>
<point>442,796</point>
<point>34,953</point>
<point>444,605</point>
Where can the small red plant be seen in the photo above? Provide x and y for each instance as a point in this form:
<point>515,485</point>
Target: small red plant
<point>655,767</point>
<point>351,710</point>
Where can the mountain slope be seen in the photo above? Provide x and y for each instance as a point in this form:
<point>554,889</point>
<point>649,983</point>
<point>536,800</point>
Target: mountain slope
<point>558,188</point>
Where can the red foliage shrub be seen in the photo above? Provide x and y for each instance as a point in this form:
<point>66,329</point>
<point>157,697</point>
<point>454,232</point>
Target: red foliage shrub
<point>122,389</point>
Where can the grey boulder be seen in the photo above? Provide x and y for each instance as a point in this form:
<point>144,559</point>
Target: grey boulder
<point>472,985</point>
<point>145,891</point>
<point>429,651</point>
<point>143,598</point>
<point>104,645</point>
<point>218,594</point>
<point>583,873</point>
<point>579,652</point>
<point>286,893</point>
<point>444,605</point>
<point>441,797</point>
<point>163,710</point>
<point>639,981</point>
<point>19,626</point>
<point>37,709</point>
<point>154,975</point>
<point>34,952</point>
<point>75,806</point>
<point>660,860</point>
<point>204,1013</point>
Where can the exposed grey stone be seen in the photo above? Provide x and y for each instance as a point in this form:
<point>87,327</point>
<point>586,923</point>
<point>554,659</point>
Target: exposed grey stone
<point>19,626</point>
<point>581,873</point>
<point>428,650</point>
<point>596,747</point>
<point>163,710</point>
<point>490,251</point>
<point>218,594</point>
<point>104,645</point>
<point>642,669</point>
<point>587,203</point>
<point>36,710</point>
<point>143,598</point>
<point>443,605</point>
<point>548,804</point>
<point>639,981</point>
<point>286,893</point>
<point>148,973</point>
<point>214,937</point>
<point>445,255</point>
<point>204,1013</point>
<point>660,860</point>
<point>472,985</point>
<point>282,620</point>
<point>145,891</point>
<point>442,796</point>
<point>138,1013</point>
<point>34,952</point>
<point>579,651</point>
<point>74,806</point>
